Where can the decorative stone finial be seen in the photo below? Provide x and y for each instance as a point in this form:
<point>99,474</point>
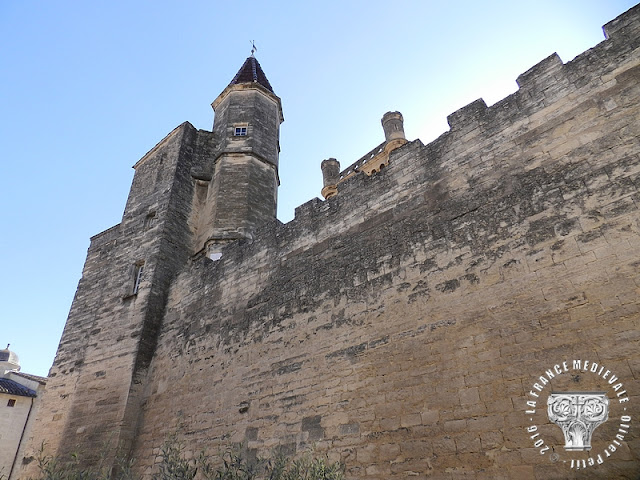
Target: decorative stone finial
<point>393,125</point>
<point>8,361</point>
<point>330,177</point>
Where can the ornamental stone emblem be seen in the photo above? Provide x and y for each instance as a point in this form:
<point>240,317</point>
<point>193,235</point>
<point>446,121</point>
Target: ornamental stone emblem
<point>578,414</point>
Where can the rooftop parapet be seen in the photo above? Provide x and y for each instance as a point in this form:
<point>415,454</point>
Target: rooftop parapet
<point>372,162</point>
<point>541,86</point>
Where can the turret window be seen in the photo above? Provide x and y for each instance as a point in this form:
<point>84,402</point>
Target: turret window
<point>240,132</point>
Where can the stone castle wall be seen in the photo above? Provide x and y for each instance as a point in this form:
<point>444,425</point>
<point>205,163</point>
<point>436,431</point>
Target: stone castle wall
<point>399,325</point>
<point>92,400</point>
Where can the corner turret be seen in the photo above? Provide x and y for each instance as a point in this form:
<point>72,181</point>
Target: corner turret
<point>242,187</point>
<point>248,114</point>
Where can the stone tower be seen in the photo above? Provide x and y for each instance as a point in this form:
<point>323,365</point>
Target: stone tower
<point>193,192</point>
<point>238,189</point>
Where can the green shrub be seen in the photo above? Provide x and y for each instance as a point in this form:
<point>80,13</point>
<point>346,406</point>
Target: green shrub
<point>306,467</point>
<point>232,464</point>
<point>174,466</point>
<point>69,468</point>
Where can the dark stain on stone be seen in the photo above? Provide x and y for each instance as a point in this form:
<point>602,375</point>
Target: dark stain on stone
<point>448,286</point>
<point>558,245</point>
<point>313,427</point>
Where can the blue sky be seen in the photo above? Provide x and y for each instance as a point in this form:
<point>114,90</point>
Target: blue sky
<point>87,88</point>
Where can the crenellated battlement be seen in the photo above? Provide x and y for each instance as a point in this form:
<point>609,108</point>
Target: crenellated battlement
<point>540,87</point>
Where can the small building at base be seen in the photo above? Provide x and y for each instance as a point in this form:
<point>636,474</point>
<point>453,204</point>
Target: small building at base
<point>19,399</point>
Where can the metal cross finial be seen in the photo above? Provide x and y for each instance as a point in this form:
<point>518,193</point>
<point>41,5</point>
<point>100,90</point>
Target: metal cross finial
<point>253,47</point>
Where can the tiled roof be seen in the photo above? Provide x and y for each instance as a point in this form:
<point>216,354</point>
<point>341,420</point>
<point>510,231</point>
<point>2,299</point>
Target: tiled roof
<point>35,378</point>
<point>14,388</point>
<point>251,72</point>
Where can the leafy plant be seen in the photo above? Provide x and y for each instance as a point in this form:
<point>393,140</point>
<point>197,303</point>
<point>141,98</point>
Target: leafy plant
<point>69,468</point>
<point>234,466</point>
<point>307,467</point>
<point>174,466</point>
<point>231,464</point>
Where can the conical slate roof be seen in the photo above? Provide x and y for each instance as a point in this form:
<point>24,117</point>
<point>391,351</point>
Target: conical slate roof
<point>251,72</point>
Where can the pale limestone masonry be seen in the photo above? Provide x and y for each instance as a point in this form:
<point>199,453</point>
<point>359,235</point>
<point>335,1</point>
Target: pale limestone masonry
<point>20,395</point>
<point>14,412</point>
<point>397,326</point>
